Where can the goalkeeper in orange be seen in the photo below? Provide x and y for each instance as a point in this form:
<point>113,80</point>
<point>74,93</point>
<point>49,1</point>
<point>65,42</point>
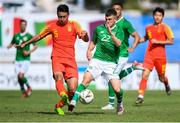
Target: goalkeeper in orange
<point>159,34</point>
<point>64,33</point>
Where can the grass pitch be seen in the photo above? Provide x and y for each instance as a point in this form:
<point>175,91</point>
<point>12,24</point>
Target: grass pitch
<point>158,107</point>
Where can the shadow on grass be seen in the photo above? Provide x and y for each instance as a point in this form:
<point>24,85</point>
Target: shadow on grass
<point>84,113</point>
<point>49,113</point>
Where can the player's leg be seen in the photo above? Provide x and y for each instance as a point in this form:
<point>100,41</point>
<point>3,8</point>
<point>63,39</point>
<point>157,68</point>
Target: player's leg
<point>148,67</point>
<point>121,63</point>
<point>18,69</point>
<point>87,78</point>
<point>25,67</point>
<point>21,83</point>
<point>127,71</point>
<point>142,86</point>
<point>119,94</point>
<point>160,65</point>
<point>92,72</point>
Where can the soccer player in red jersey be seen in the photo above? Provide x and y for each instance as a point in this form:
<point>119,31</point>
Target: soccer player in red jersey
<point>64,33</point>
<point>159,34</point>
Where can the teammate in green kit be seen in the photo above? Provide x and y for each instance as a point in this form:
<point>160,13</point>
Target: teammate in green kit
<point>22,60</point>
<point>124,49</point>
<point>107,38</point>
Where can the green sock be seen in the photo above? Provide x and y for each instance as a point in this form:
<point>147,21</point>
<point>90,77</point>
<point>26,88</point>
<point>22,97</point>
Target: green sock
<point>22,86</point>
<point>80,88</point>
<point>24,80</point>
<point>119,96</point>
<point>111,94</point>
<point>125,72</point>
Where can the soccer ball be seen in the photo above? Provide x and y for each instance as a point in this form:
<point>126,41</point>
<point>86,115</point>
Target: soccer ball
<point>86,96</point>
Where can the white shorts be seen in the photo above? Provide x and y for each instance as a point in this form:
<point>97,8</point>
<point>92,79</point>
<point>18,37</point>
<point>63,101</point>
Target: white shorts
<point>121,63</point>
<point>97,68</point>
<point>21,66</point>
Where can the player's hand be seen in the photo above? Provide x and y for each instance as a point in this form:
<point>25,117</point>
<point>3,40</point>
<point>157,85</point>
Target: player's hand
<point>26,53</point>
<point>109,28</point>
<point>89,55</point>
<point>83,33</point>
<point>130,50</point>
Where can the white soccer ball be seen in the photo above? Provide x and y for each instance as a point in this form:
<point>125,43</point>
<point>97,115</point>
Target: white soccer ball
<point>86,96</point>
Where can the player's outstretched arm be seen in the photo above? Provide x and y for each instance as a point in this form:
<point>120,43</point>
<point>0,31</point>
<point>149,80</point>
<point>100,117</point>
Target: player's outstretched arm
<point>166,42</point>
<point>89,50</point>
<point>136,37</point>
<point>34,39</point>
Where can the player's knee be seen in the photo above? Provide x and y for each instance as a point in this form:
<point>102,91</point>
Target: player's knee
<point>20,76</point>
<point>57,76</point>
<point>117,90</point>
<point>161,78</point>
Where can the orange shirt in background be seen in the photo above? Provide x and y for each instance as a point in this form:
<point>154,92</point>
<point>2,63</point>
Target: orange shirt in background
<point>160,32</point>
<point>63,37</point>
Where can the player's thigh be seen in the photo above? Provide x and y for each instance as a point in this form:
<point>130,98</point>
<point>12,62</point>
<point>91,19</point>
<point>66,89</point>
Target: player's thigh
<point>95,68</point>
<point>87,78</point>
<point>108,71</point>
<point>57,65</point>
<point>71,70</point>
<point>148,63</point>
<point>160,65</point>
<point>120,65</point>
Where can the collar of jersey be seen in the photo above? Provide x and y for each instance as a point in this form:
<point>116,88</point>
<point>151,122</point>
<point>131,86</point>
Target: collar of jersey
<point>119,19</point>
<point>22,34</point>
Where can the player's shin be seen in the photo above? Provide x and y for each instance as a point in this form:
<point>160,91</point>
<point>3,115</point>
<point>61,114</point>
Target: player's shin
<point>111,94</point>
<point>142,88</point>
<point>80,88</point>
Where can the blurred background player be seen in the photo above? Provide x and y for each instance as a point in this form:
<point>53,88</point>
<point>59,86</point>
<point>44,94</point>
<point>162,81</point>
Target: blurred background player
<point>22,59</point>
<point>159,34</point>
<point>124,49</point>
<point>107,38</point>
<point>64,33</point>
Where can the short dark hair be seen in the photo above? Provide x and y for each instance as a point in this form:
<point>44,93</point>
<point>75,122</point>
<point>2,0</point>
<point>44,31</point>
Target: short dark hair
<point>63,8</point>
<point>118,3</point>
<point>23,20</point>
<point>158,9</point>
<point>110,12</point>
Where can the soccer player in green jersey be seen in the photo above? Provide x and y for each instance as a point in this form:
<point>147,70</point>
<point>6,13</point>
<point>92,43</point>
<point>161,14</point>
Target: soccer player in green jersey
<point>107,38</point>
<point>22,59</point>
<point>124,49</point>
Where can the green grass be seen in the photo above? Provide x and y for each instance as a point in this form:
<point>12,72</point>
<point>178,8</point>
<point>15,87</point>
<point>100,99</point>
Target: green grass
<point>40,107</point>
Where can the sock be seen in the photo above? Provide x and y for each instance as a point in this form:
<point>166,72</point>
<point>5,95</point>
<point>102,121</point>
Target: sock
<point>111,94</point>
<point>119,96</point>
<point>142,87</point>
<point>70,95</point>
<point>125,72</point>
<point>80,88</point>
<point>21,86</point>
<point>24,80</point>
<point>60,104</point>
<point>60,87</point>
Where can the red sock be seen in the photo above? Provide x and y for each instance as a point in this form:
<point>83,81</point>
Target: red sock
<point>60,87</point>
<point>70,95</point>
<point>142,86</point>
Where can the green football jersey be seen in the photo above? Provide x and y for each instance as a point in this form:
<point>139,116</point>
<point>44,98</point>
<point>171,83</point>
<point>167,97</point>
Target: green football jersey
<point>18,39</point>
<point>128,30</point>
<point>105,47</point>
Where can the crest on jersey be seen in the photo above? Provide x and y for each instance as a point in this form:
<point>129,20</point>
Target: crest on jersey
<point>25,38</point>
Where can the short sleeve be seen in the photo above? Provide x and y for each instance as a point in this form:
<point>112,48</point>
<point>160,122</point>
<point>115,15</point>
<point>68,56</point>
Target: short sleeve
<point>77,28</point>
<point>95,36</point>
<point>129,27</point>
<point>46,31</point>
<point>168,32</point>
